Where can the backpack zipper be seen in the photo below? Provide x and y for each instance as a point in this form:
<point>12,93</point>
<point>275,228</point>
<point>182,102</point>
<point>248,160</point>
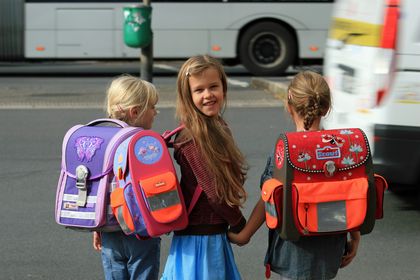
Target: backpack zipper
<point>305,229</point>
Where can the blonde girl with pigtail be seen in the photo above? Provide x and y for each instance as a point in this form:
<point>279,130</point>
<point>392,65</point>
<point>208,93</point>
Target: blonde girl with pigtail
<point>315,257</point>
<point>209,159</point>
<point>133,101</point>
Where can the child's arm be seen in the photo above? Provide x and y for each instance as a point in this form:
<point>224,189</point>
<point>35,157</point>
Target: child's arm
<point>257,217</point>
<point>352,245</point>
<point>97,242</point>
<point>255,221</point>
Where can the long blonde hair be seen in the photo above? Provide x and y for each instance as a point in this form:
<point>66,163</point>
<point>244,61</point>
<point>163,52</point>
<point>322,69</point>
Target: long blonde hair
<point>309,95</point>
<point>211,135</point>
<point>126,92</point>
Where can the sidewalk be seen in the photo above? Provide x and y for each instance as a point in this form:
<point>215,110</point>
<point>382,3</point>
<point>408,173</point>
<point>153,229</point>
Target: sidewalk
<point>59,85</point>
<point>277,89</point>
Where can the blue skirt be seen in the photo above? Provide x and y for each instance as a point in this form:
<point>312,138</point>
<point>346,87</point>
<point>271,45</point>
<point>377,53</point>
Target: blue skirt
<point>200,257</point>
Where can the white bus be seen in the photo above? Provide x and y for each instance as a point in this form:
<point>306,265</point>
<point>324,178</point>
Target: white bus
<point>372,63</point>
<point>265,36</point>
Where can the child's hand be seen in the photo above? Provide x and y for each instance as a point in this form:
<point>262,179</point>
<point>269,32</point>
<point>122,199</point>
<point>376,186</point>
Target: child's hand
<point>352,245</point>
<point>97,242</point>
<point>238,238</point>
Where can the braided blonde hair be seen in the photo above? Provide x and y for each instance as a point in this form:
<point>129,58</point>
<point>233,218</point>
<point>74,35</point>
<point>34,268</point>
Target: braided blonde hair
<point>309,96</point>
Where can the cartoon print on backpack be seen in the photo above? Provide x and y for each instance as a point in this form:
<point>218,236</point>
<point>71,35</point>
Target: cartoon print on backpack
<point>87,146</point>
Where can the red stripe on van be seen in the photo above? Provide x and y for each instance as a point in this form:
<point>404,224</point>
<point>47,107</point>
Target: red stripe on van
<point>379,96</point>
<point>389,31</point>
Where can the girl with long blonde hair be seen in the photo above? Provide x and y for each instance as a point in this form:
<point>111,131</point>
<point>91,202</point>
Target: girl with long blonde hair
<point>210,160</point>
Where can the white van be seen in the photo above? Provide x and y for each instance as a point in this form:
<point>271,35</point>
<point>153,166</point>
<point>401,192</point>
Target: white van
<point>372,63</point>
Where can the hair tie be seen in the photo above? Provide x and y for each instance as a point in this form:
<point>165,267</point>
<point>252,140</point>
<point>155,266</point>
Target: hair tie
<point>289,95</point>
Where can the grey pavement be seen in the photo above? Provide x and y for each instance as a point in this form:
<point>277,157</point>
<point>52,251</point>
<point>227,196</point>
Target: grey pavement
<point>58,85</point>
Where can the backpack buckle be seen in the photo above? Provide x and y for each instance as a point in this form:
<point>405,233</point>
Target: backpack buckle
<point>81,179</point>
<point>329,168</point>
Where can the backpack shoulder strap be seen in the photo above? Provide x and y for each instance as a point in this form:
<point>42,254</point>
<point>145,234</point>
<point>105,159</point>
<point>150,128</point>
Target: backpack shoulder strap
<point>114,122</point>
<point>196,195</point>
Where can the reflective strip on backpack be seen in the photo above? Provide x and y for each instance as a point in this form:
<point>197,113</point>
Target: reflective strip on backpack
<point>77,215</point>
<point>332,216</point>
<point>74,197</point>
<point>121,221</point>
<point>270,209</point>
<point>163,200</point>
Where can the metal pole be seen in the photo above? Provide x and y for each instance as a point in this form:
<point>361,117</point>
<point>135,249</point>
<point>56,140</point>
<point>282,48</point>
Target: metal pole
<point>146,57</point>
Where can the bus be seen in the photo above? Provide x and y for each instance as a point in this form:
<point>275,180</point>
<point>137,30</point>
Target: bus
<point>264,36</point>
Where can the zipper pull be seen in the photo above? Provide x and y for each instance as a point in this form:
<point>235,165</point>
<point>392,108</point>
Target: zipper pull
<point>305,230</point>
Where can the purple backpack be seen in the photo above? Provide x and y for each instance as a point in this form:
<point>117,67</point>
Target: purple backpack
<point>87,178</point>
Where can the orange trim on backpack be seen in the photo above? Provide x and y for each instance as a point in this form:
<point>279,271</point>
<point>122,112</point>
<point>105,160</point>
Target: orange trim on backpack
<point>118,202</point>
<point>353,192</point>
<point>159,184</point>
<point>272,218</point>
<point>168,214</point>
<point>117,198</point>
<point>120,174</point>
<point>162,184</point>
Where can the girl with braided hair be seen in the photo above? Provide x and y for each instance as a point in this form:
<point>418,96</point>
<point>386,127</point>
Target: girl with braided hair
<point>311,257</point>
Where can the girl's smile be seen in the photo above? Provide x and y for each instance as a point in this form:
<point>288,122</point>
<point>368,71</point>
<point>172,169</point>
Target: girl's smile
<point>207,92</point>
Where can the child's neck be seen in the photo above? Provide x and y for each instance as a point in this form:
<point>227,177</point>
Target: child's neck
<point>301,127</point>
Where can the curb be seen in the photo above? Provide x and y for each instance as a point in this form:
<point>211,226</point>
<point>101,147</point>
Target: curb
<point>277,89</point>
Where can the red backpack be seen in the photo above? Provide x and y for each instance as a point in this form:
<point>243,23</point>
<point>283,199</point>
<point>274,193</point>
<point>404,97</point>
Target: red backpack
<point>323,183</point>
<point>148,201</point>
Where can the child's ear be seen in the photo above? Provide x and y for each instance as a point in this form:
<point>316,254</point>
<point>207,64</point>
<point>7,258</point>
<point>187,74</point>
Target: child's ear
<point>133,113</point>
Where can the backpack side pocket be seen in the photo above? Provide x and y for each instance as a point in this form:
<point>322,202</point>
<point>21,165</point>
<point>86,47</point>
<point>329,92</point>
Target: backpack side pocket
<point>272,195</point>
<point>381,185</point>
<point>121,211</point>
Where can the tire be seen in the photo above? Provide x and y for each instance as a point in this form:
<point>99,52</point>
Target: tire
<point>267,49</point>
<point>230,61</point>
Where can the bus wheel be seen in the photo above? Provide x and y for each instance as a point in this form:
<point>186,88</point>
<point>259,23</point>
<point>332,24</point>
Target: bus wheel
<point>267,49</point>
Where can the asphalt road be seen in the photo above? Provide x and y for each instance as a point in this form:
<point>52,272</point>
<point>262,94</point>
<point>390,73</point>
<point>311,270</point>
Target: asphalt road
<point>89,92</point>
<point>35,113</point>
<point>33,246</point>
<point>69,84</point>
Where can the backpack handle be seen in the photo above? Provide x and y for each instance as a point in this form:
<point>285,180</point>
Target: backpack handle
<point>109,121</point>
<point>168,134</point>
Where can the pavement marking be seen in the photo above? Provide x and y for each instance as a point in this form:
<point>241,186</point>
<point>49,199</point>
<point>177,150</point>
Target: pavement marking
<point>161,105</point>
<point>175,69</point>
<point>166,67</point>
<point>238,83</point>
